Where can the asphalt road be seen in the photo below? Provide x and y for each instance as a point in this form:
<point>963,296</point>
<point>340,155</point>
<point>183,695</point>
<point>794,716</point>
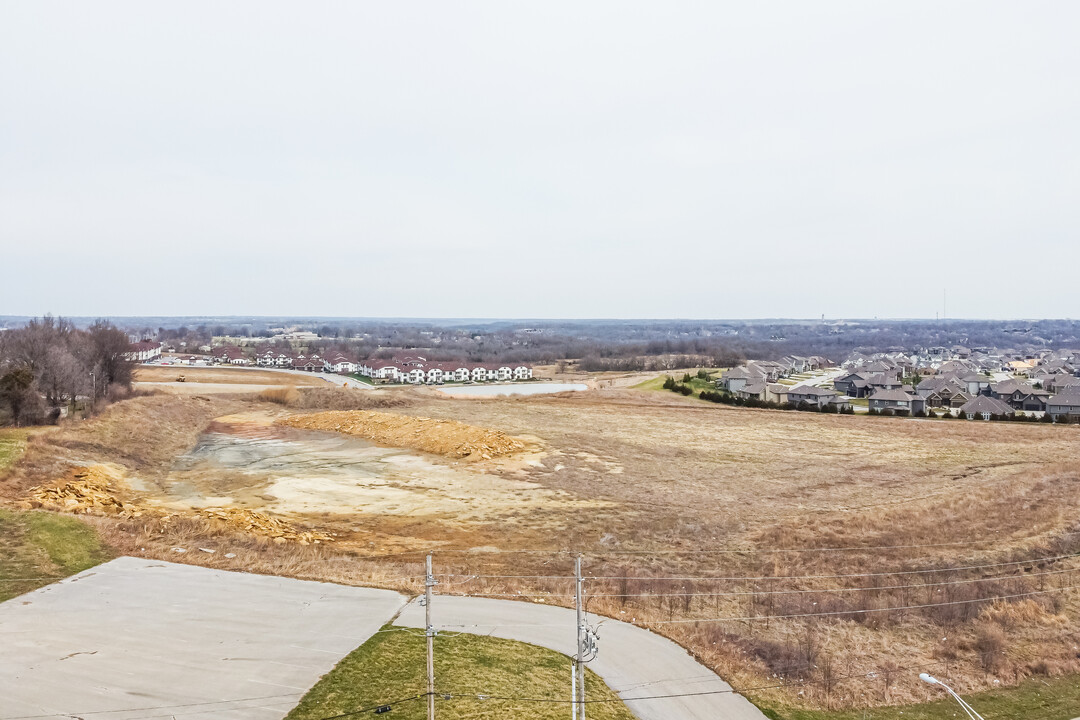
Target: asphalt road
<point>135,639</point>
<point>634,662</point>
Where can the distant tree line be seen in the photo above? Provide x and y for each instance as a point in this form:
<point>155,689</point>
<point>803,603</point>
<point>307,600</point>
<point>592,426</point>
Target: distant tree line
<point>49,364</point>
<point>630,345</point>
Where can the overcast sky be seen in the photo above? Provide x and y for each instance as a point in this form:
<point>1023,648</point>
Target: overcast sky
<point>554,159</point>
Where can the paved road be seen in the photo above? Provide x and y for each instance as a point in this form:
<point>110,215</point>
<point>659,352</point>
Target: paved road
<point>332,378</point>
<point>134,639</point>
<point>634,662</point>
<point>823,380</point>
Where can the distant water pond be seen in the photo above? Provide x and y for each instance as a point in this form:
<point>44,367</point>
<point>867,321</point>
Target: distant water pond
<point>515,389</point>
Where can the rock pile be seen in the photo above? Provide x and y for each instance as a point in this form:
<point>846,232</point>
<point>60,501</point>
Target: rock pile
<point>95,490</point>
<point>90,490</point>
<point>258,523</point>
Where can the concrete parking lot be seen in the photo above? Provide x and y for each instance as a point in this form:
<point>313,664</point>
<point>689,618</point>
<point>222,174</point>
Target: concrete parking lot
<point>143,639</point>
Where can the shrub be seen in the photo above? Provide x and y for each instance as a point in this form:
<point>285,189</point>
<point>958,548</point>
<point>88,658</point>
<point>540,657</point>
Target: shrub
<point>702,374</point>
<point>873,412</point>
<point>686,378</point>
<point>281,396</point>
<point>1046,418</point>
<point>990,644</point>
<point>962,415</point>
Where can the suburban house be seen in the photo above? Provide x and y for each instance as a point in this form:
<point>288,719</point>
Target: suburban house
<point>863,383</point>
<point>777,393</point>
<point>898,401</point>
<point>736,379</point>
<point>418,370</point>
<point>230,355</point>
<point>986,407</point>
<point>816,396</point>
<point>1064,407</point>
<point>1019,395</point>
<point>143,351</point>
<point>753,389</point>
<point>947,392</point>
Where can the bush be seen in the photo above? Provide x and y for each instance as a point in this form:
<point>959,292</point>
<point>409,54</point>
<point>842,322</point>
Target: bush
<point>686,378</point>
<point>281,396</point>
<point>702,374</point>
<point>962,415</point>
<point>1046,418</point>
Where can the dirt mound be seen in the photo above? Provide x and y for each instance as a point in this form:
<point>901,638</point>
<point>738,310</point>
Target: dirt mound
<point>440,437</point>
<point>95,490</point>
<point>90,490</point>
<point>258,523</point>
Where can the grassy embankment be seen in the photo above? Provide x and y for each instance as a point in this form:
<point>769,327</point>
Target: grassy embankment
<point>696,384</point>
<point>391,666</point>
<point>37,548</point>
<point>1035,699</point>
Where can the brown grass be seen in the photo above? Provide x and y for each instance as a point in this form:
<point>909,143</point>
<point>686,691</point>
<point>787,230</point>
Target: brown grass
<point>676,481</point>
<point>287,396</point>
<point>226,375</point>
<point>337,398</point>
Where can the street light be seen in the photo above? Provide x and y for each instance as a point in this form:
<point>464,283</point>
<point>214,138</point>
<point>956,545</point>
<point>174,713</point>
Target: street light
<point>931,680</point>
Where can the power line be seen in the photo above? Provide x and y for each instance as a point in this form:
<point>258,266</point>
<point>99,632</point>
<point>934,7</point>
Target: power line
<point>743,593</point>
<point>370,708</point>
<point>862,611</point>
<point>832,613</point>
<point>711,551</point>
<point>762,578</point>
<point>838,590</point>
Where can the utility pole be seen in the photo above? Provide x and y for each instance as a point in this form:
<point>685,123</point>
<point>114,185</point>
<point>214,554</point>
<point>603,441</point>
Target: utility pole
<point>429,582</point>
<point>579,690</point>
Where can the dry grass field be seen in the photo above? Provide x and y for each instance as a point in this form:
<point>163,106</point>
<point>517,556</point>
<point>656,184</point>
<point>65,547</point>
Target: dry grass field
<point>223,376</point>
<point>713,525</point>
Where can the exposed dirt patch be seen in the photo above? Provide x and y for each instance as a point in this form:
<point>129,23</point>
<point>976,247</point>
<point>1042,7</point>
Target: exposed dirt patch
<point>448,438</point>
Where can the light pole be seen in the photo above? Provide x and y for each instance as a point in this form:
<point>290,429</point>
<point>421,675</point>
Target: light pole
<point>931,680</point>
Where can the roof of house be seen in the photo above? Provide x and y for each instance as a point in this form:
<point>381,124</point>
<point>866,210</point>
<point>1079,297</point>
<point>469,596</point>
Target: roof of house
<point>1008,387</point>
<point>1065,399</point>
<point>812,391</point>
<point>895,395</point>
<point>986,404</point>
